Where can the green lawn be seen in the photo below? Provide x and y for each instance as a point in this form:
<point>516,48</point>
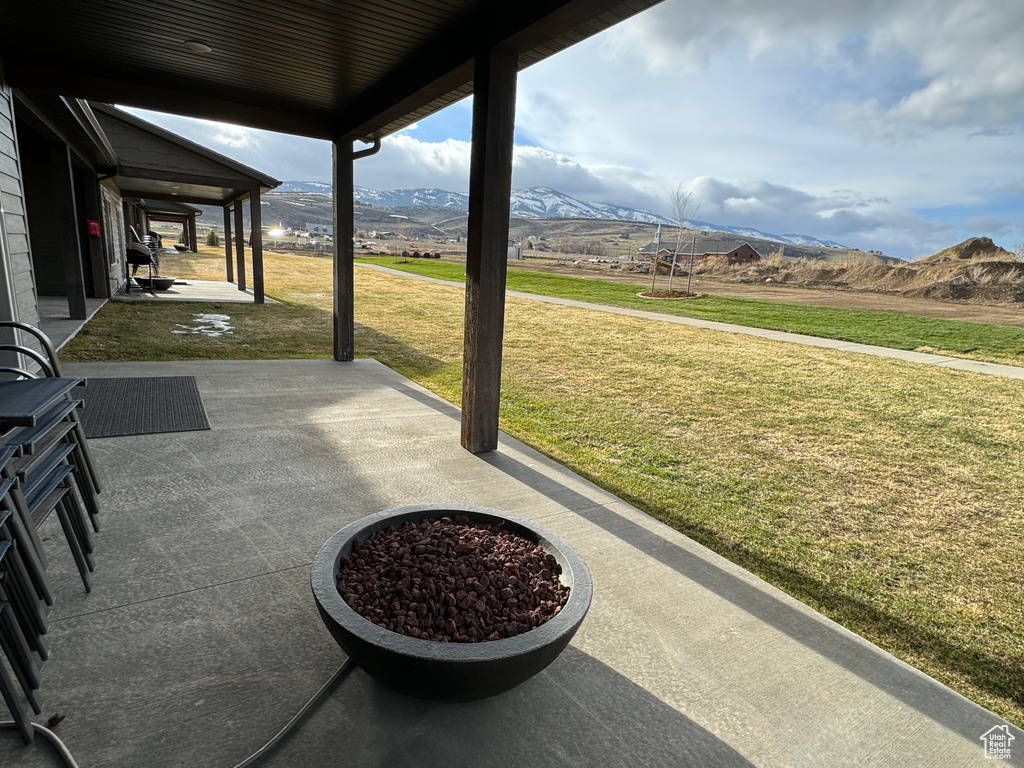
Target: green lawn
<point>976,341</point>
<point>885,494</point>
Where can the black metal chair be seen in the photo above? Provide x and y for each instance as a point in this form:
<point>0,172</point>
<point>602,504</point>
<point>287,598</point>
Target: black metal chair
<point>142,252</point>
<point>44,449</point>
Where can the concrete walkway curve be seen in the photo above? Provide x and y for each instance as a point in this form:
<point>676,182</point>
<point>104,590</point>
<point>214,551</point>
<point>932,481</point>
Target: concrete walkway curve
<point>942,361</point>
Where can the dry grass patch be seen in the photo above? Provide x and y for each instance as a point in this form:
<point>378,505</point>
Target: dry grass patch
<point>886,495</point>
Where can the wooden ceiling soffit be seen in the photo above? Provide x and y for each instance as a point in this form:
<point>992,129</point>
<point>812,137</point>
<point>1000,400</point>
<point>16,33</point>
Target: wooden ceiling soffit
<point>159,92</point>
<point>157,174</point>
<point>196,199</point>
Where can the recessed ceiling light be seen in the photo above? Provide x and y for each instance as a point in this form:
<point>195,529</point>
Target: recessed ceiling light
<point>197,46</point>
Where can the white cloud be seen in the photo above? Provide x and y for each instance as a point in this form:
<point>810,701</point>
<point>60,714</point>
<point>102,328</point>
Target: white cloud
<point>967,53</point>
<point>406,162</point>
<point>445,165</point>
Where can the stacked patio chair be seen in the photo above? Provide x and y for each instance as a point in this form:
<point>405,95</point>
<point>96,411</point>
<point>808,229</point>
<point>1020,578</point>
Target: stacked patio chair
<point>45,468</point>
<point>51,459</point>
<point>23,620</point>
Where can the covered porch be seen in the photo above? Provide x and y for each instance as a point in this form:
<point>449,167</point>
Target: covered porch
<point>201,638</point>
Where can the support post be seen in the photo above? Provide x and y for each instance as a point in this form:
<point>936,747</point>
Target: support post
<point>97,258</point>
<point>256,217</point>
<point>240,244</point>
<point>344,278</point>
<point>229,265</point>
<point>65,216</point>
<point>193,243</point>
<point>490,187</point>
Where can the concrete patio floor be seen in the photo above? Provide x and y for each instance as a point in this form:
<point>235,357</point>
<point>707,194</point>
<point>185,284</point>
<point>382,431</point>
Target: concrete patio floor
<point>203,291</point>
<point>201,638</point>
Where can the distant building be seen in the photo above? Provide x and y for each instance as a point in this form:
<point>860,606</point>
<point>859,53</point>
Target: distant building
<point>739,253</point>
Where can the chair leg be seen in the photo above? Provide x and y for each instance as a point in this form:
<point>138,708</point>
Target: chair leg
<point>23,533</point>
<point>22,719</point>
<point>76,549</point>
<point>85,491</point>
<point>77,516</point>
<point>25,664</point>
<point>83,446</point>
<point>31,611</point>
<point>26,515</point>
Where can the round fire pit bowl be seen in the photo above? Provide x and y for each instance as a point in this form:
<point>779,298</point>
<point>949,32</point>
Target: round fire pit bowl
<point>158,282</point>
<point>429,669</point>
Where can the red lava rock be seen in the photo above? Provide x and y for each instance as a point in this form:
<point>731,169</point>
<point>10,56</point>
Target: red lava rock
<point>451,579</point>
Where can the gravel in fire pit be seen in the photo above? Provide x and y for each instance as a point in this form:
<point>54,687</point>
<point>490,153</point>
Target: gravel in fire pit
<point>452,579</point>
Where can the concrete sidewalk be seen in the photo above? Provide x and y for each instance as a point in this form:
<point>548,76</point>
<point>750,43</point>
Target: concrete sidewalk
<point>201,638</point>
<point>961,364</point>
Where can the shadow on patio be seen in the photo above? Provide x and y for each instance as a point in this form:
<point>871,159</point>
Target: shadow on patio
<point>201,637</point>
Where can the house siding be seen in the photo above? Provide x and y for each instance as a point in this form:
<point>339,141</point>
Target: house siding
<point>114,235</point>
<point>16,259</point>
<point>136,148</point>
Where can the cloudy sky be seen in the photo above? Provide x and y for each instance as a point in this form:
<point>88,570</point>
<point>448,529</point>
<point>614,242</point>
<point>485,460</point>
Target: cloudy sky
<point>895,125</point>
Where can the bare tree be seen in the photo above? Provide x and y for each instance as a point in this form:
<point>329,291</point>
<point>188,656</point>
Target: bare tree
<point>1018,251</point>
<point>683,207</point>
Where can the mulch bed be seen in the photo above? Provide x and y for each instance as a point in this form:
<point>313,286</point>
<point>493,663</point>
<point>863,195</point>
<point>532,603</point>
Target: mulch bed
<point>668,295</point>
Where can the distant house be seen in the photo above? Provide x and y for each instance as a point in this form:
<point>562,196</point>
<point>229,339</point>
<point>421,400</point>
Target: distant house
<point>739,253</point>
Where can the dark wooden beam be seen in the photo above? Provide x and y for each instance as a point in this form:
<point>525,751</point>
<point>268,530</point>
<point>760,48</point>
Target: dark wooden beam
<point>240,245</point>
<point>256,217</point>
<point>155,90</point>
<point>187,199</point>
<point>344,255</point>
<point>65,217</point>
<point>180,177</point>
<point>229,267</point>
<point>97,257</point>
<point>193,245</point>
<point>490,188</point>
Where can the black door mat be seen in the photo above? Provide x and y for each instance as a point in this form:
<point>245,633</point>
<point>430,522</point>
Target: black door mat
<point>141,406</point>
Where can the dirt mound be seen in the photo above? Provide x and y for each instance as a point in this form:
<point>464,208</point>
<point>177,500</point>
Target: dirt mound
<point>972,249</point>
<point>975,271</point>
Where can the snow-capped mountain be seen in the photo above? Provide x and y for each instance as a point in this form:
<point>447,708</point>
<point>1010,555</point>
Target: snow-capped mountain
<point>756,233</point>
<point>546,203</point>
<point>400,198</point>
<point>309,187</point>
<point>541,203</point>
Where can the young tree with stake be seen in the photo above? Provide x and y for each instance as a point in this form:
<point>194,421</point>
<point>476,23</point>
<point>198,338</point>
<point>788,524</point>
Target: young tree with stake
<point>683,208</point>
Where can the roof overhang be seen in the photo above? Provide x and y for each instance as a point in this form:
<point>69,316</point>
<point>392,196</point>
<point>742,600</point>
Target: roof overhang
<point>156,164</point>
<point>353,69</point>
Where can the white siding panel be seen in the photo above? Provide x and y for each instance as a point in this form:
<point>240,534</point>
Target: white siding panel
<point>18,280</point>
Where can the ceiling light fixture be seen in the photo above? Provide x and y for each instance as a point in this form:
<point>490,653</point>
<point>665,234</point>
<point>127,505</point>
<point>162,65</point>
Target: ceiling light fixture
<point>197,46</point>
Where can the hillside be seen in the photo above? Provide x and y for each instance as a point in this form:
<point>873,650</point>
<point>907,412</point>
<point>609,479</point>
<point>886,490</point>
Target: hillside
<point>540,203</point>
<point>583,236</point>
